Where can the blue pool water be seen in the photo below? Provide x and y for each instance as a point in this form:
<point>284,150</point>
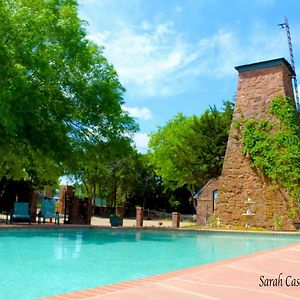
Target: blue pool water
<point>39,263</point>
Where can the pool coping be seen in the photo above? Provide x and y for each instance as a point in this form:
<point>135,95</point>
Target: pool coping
<point>112,291</point>
<point>150,228</point>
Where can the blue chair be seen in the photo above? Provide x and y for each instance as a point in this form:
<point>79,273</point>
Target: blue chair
<point>48,211</point>
<point>20,212</point>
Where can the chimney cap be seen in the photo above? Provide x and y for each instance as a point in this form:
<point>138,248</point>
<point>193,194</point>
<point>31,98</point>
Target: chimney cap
<point>266,64</point>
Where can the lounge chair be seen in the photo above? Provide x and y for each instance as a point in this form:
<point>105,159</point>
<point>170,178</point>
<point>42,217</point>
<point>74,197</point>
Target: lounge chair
<point>20,212</point>
<point>48,211</point>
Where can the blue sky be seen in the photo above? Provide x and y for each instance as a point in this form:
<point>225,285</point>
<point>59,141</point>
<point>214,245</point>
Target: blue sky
<point>179,56</point>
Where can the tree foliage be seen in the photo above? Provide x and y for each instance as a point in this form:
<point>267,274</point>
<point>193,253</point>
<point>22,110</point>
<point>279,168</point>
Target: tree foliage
<point>129,181</point>
<point>190,150</point>
<point>59,96</point>
<point>274,146</point>
<point>126,179</point>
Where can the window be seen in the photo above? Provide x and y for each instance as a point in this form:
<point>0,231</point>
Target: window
<point>215,196</point>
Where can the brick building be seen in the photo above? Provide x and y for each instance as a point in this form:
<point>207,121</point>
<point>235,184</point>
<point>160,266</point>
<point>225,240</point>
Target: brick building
<point>258,84</point>
<point>206,201</point>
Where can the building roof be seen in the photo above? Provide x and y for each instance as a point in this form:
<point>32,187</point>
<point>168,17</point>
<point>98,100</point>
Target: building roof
<point>265,64</point>
<point>199,192</point>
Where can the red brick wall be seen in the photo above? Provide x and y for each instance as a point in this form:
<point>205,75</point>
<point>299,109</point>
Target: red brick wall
<point>238,181</point>
<point>205,202</point>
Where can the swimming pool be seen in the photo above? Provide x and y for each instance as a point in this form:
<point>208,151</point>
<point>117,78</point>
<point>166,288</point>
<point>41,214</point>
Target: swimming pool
<point>39,263</point>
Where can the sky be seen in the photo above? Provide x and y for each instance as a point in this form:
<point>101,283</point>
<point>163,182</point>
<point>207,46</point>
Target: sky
<point>179,55</point>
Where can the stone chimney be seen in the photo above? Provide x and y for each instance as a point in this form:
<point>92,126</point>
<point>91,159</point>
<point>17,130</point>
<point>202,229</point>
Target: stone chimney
<point>258,84</point>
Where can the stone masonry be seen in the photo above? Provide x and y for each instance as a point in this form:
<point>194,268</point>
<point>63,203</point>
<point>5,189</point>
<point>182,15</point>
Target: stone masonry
<point>258,84</point>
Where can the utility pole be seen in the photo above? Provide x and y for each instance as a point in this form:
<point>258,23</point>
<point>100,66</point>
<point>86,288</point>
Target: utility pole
<point>285,25</point>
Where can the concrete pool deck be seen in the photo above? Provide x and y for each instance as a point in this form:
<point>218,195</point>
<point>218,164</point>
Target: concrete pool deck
<point>97,221</point>
<point>236,278</point>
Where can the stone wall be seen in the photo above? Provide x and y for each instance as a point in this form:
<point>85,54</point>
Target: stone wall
<point>257,86</point>
<point>205,206</point>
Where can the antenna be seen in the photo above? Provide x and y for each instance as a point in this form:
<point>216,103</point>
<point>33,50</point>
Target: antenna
<point>288,34</point>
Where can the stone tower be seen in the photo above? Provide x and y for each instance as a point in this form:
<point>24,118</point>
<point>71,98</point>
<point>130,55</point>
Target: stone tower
<point>258,84</point>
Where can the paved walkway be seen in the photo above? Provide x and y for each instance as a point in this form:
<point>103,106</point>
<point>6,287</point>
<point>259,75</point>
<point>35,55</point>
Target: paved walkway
<point>236,278</point>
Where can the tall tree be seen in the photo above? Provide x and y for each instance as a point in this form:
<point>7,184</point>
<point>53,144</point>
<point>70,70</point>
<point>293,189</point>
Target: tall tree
<point>59,96</point>
<point>96,171</point>
<point>190,150</point>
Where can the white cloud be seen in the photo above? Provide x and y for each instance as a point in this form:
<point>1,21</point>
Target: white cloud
<point>147,57</point>
<point>156,60</point>
<point>146,25</point>
<point>224,50</point>
<point>141,141</point>
<point>143,113</point>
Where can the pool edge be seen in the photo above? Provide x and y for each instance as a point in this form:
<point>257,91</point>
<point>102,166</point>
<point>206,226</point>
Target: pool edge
<point>98,292</point>
<point>149,228</point>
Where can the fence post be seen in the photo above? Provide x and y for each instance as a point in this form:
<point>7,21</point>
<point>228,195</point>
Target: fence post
<point>139,216</point>
<point>120,210</point>
<point>175,219</point>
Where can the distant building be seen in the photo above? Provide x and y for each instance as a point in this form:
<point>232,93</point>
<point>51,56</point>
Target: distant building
<point>206,199</point>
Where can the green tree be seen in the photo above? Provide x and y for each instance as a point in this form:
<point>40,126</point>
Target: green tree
<point>94,170</point>
<point>274,146</point>
<point>145,185</point>
<point>190,150</point>
<point>127,179</point>
<point>60,98</point>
